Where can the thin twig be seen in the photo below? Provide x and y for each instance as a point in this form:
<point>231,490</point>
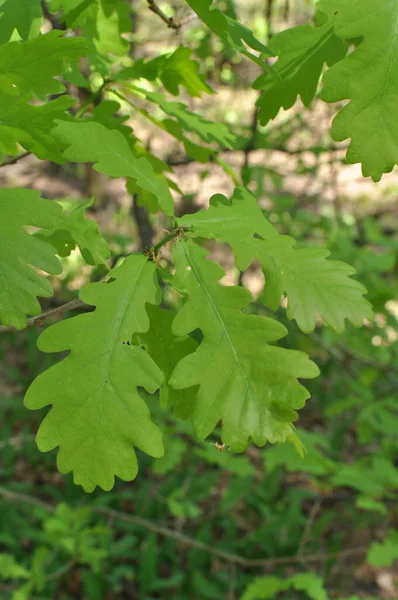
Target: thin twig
<point>308,526</point>
<point>144,226</point>
<point>268,15</point>
<point>158,11</point>
<point>77,303</point>
<point>11,496</point>
<point>15,159</point>
<point>60,310</point>
<point>91,99</point>
<point>168,238</point>
<point>248,563</point>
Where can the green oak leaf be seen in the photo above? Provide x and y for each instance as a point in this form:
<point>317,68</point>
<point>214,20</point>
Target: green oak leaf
<point>107,113</point>
<point>385,553</point>
<point>302,52</point>
<point>112,155</point>
<point>236,35</point>
<point>29,68</point>
<point>313,285</point>
<point>178,70</point>
<point>75,12</point>
<point>23,15</point>
<point>269,587</point>
<point>368,77</point>
<point>247,383</point>
<point>74,229</point>
<point>97,413</point>
<point>167,350</point>
<point>106,27</point>
<point>172,69</point>
<point>102,22</point>
<point>265,588</point>
<point>11,569</point>
<point>31,126</point>
<point>208,131</point>
<point>21,254</point>
<point>199,153</point>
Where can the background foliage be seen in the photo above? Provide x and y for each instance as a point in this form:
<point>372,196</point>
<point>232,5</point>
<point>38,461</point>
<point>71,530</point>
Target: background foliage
<point>197,522</point>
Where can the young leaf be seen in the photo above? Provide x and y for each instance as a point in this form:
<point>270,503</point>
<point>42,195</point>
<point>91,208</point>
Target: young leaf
<point>314,461</point>
<point>98,415</point>
<point>311,584</point>
<point>167,350</point>
<point>249,384</point>
<point>11,569</point>
<point>75,12</point>
<point>368,77</point>
<point>302,52</point>
<point>29,68</point>
<point>208,131</point>
<point>385,553</point>
<point>106,27</point>
<point>109,149</point>
<point>173,128</point>
<point>102,22</point>
<point>107,114</point>
<point>20,284</point>
<point>173,70</point>
<point>263,588</point>
<point>23,15</point>
<point>178,70</point>
<point>76,229</point>
<point>30,126</point>
<point>313,284</point>
<point>269,586</point>
<point>230,31</point>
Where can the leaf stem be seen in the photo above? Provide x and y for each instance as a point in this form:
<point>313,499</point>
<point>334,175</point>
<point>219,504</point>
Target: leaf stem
<point>171,236</point>
<point>158,11</point>
<point>91,99</point>
<point>77,303</point>
<point>38,320</point>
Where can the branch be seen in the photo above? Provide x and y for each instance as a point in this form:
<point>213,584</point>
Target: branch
<point>60,310</point>
<point>158,11</point>
<point>171,236</point>
<point>150,252</point>
<point>91,99</point>
<point>12,496</point>
<point>249,563</point>
<point>15,159</point>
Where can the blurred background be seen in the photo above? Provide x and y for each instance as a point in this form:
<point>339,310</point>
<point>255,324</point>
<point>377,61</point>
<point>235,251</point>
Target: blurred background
<point>199,523</point>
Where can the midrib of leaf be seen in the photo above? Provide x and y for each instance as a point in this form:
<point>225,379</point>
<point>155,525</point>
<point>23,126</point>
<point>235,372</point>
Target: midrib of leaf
<point>27,126</point>
<point>110,354</point>
<point>219,318</point>
<point>296,64</point>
